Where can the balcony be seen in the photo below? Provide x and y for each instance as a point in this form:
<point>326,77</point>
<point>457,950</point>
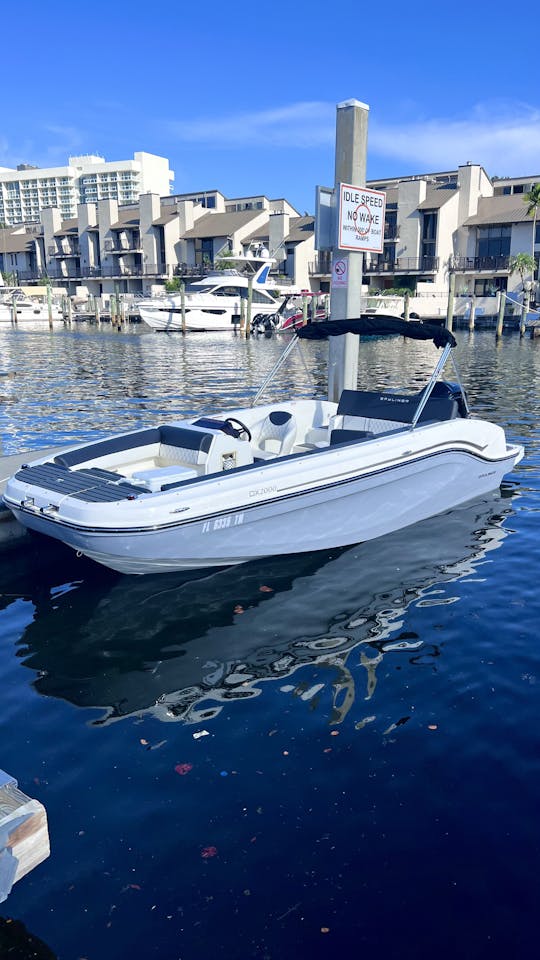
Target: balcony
<point>478,264</point>
<point>322,265</point>
<point>64,252</point>
<point>121,248</point>
<point>417,264</point>
<point>118,247</point>
<point>379,266</point>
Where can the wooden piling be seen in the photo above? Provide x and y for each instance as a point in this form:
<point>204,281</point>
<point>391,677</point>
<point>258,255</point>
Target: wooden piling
<point>242,315</point>
<point>49,305</point>
<point>304,309</point>
<point>500,315</point>
<point>406,305</point>
<point>183,305</point>
<point>97,311</point>
<point>450,306</point>
<point>14,310</point>
<point>524,312</point>
<point>248,307</point>
<point>472,315</point>
<point>24,836</point>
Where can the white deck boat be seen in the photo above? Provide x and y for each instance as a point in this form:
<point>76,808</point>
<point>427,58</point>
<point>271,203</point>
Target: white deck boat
<point>214,303</point>
<point>274,479</point>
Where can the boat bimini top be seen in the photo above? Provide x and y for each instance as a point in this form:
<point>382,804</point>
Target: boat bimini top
<point>380,326</point>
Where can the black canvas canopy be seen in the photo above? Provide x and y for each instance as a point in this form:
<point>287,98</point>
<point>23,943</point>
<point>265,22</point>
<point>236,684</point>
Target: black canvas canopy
<point>377,326</point>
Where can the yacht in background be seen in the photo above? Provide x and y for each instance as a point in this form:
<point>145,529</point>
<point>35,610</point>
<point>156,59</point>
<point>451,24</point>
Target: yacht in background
<point>27,308</point>
<point>214,302</point>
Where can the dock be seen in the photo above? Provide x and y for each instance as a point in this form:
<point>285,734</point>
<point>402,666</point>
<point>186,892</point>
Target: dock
<point>11,532</point>
<point>24,834</point>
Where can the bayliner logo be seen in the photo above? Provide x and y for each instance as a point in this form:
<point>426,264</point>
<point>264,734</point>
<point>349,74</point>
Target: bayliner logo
<point>394,399</point>
<point>261,491</point>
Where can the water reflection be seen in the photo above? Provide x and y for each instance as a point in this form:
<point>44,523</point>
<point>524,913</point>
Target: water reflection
<point>182,649</point>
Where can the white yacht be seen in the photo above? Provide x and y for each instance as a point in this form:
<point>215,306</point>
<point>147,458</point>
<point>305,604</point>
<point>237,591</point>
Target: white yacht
<point>214,303</point>
<point>291,476</point>
<point>26,308</point>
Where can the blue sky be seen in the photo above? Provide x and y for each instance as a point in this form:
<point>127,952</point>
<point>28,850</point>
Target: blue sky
<point>244,101</point>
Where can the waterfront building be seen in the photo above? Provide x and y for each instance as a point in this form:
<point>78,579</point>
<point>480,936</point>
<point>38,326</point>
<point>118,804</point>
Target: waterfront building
<point>134,248</point>
<point>26,191</point>
<point>458,221</point>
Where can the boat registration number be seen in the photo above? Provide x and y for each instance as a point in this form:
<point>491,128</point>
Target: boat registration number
<point>221,523</point>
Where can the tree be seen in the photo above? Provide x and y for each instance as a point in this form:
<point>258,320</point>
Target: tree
<point>522,263</point>
<point>173,285</point>
<point>532,199</point>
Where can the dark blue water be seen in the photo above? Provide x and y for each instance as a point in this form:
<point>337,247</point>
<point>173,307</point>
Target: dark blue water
<point>334,754</point>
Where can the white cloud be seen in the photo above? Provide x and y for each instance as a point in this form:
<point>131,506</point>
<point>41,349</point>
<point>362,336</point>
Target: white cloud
<point>52,149</point>
<point>504,138</point>
<point>303,125</point>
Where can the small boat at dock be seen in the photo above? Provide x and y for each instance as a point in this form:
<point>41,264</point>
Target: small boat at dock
<point>285,477</point>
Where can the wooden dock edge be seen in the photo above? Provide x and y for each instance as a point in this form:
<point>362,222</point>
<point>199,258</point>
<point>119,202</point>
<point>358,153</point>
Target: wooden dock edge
<point>24,834</point>
<point>11,532</point>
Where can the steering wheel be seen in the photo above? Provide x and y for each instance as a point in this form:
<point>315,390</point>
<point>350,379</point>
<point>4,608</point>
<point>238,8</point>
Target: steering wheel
<point>240,430</point>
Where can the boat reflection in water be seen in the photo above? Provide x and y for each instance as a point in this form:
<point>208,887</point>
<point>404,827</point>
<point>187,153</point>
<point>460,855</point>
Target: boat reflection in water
<point>182,649</point>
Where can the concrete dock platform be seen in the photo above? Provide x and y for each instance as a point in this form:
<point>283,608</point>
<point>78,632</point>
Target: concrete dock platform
<point>11,532</point>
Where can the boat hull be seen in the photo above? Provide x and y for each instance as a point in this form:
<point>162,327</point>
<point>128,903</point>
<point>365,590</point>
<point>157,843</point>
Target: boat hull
<point>332,513</point>
<point>197,319</point>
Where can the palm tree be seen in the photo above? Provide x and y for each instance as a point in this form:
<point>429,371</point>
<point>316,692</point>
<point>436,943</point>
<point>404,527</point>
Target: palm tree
<point>532,199</point>
<point>522,263</point>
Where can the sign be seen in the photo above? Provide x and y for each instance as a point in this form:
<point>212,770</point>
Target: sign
<point>340,272</point>
<point>325,231</point>
<point>361,218</point>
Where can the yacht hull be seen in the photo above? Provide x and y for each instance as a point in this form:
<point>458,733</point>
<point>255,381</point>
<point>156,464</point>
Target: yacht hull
<point>161,319</point>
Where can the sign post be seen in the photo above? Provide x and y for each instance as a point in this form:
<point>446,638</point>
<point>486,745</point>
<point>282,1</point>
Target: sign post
<point>346,285</point>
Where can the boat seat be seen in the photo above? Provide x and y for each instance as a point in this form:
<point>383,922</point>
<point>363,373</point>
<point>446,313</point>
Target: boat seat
<point>155,480</point>
<point>347,436</point>
<point>277,435</point>
<point>380,412</point>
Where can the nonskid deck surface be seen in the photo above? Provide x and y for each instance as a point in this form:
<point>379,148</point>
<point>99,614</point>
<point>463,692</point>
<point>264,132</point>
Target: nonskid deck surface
<point>92,485</point>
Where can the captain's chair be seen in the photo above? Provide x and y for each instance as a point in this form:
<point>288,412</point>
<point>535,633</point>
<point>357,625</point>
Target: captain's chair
<point>277,436</point>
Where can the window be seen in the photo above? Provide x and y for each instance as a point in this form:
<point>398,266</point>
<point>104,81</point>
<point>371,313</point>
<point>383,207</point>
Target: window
<point>259,296</point>
<point>490,286</point>
<point>493,241</point>
<point>390,225</point>
<point>429,234</point>
<point>228,292</point>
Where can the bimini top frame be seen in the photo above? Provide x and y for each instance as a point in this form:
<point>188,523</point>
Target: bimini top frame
<point>378,326</point>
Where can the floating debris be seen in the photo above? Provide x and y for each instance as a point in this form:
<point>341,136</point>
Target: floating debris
<point>183,768</point>
<point>208,852</point>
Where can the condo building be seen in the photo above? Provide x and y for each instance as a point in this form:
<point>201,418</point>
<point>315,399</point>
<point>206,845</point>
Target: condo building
<point>26,191</point>
<point>459,222</point>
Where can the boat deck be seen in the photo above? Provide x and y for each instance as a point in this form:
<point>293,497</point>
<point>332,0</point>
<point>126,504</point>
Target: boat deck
<point>92,485</point>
